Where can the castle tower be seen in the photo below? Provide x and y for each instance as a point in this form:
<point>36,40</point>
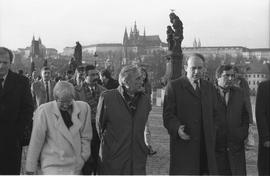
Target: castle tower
<point>125,43</point>
<point>125,39</point>
<point>136,32</point>
<point>199,43</point>
<point>195,43</point>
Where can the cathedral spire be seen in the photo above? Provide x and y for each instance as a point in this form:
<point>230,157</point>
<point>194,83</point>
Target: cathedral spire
<point>144,34</point>
<point>135,27</point>
<point>125,39</point>
<point>199,43</point>
<point>195,43</point>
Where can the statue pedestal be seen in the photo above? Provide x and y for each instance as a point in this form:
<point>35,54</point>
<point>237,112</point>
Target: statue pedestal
<point>173,67</point>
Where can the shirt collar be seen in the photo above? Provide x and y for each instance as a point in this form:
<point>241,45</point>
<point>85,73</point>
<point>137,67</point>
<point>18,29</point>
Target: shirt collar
<point>192,82</point>
<point>4,77</point>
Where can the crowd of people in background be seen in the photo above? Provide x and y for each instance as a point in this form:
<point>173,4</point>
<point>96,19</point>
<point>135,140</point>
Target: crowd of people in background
<point>87,122</point>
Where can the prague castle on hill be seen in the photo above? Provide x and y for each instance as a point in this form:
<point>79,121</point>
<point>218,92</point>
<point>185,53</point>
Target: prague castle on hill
<point>136,45</point>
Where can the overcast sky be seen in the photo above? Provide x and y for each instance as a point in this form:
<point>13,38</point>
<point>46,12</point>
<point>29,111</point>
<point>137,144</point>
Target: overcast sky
<point>61,23</point>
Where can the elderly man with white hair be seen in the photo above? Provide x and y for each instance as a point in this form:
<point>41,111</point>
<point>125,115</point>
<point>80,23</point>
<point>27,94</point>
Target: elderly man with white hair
<point>61,134</point>
<point>121,117</point>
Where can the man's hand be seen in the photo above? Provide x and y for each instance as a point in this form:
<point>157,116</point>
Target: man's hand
<point>182,134</point>
<point>266,144</point>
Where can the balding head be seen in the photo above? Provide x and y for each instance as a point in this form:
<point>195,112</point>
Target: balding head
<point>194,66</point>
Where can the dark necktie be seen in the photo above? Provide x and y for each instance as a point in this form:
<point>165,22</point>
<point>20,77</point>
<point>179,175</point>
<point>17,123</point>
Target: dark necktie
<point>67,118</point>
<point>47,91</point>
<point>1,87</point>
<point>197,88</point>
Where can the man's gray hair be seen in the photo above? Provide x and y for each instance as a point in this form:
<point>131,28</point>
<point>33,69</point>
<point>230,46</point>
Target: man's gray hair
<point>126,72</point>
<point>63,89</point>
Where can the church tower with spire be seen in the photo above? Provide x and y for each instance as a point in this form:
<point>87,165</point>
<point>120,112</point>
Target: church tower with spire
<point>125,42</point>
<point>199,43</point>
<point>136,45</point>
<point>195,43</point>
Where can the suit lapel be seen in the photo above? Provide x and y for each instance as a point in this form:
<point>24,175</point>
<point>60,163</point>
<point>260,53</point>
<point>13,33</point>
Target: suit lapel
<point>231,95</point>
<point>187,85</point>
<point>75,119</point>
<point>52,83</point>
<point>9,83</point>
<point>60,125</point>
<point>122,99</point>
<point>220,97</point>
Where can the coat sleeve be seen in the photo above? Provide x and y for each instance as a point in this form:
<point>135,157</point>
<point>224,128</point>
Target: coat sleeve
<point>261,113</point>
<point>244,118</point>
<point>86,134</point>
<point>27,106</point>
<point>101,116</point>
<point>33,95</point>
<point>247,99</point>
<point>37,140</point>
<point>216,112</point>
<point>170,120</point>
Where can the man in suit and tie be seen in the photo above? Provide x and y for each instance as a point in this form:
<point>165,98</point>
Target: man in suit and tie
<point>16,110</point>
<point>42,90</point>
<point>232,124</point>
<point>188,114</point>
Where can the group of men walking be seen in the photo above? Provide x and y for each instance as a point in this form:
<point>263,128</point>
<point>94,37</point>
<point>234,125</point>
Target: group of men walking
<point>208,123</point>
<point>82,127</point>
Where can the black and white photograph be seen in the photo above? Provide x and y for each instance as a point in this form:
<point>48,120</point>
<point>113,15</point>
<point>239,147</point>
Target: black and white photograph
<point>135,87</point>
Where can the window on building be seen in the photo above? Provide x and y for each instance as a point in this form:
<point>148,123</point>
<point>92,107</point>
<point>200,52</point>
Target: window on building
<point>254,82</point>
<point>254,76</point>
<point>248,82</point>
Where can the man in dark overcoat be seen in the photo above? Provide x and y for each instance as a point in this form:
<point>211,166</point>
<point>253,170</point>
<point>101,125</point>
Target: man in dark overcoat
<point>188,115</point>
<point>263,124</point>
<point>232,124</point>
<point>122,114</point>
<point>16,111</point>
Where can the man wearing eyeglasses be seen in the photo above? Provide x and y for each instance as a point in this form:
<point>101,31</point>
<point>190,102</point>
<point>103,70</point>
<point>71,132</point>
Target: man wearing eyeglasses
<point>232,124</point>
<point>61,134</point>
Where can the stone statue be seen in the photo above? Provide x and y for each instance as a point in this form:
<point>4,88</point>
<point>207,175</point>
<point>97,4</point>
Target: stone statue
<point>175,35</point>
<point>78,53</point>
<point>174,56</point>
<point>72,64</point>
<point>170,34</point>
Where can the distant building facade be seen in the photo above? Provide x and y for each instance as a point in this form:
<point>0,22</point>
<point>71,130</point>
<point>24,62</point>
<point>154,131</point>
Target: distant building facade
<point>51,53</point>
<point>103,48</point>
<point>233,51</point>
<point>68,51</point>
<point>255,74</point>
